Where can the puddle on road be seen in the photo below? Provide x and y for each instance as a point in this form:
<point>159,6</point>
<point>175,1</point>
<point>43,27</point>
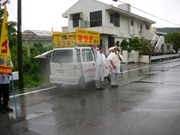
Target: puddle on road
<point>147,82</point>
<point>152,73</point>
<point>20,115</point>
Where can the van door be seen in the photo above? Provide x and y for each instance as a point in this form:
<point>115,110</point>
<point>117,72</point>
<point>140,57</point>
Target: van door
<point>62,66</point>
<point>88,64</point>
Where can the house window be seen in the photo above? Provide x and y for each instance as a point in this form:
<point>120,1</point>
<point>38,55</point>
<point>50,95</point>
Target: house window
<point>75,19</point>
<point>140,26</point>
<point>115,19</point>
<point>111,18</point>
<point>132,23</point>
<point>147,27</point>
<point>96,19</point>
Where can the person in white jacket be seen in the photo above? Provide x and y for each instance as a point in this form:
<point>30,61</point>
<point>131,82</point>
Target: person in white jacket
<point>100,68</point>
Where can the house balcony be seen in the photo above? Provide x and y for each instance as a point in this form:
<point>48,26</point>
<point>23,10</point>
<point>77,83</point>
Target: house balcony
<point>114,31</point>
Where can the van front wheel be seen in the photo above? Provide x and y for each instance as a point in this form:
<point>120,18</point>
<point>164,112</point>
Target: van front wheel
<point>82,84</point>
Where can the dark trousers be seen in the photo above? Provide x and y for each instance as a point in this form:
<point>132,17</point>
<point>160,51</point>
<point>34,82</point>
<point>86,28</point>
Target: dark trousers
<point>4,94</point>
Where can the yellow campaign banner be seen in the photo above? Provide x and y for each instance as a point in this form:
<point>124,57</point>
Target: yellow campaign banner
<point>61,39</point>
<point>5,56</point>
<point>87,37</point>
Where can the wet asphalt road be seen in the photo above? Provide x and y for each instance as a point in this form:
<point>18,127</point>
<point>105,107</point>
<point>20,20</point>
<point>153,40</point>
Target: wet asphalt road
<point>146,103</point>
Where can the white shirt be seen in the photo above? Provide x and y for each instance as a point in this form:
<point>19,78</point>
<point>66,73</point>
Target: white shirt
<point>100,66</point>
<point>100,59</point>
<point>116,62</point>
<point>114,58</point>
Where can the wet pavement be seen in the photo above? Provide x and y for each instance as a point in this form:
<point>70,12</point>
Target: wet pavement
<point>146,103</point>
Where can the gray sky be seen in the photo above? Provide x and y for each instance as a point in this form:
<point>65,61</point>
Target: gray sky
<point>45,14</point>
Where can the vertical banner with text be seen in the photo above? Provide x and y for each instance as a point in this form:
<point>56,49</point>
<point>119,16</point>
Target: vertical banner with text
<point>5,56</point>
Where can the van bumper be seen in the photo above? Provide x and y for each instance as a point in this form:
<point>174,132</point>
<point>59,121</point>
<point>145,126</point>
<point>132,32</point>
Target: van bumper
<point>64,80</point>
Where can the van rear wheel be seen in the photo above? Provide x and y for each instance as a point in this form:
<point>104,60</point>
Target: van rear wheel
<point>82,84</point>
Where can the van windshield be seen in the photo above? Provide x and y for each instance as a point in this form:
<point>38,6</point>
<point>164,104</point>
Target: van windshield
<point>62,56</point>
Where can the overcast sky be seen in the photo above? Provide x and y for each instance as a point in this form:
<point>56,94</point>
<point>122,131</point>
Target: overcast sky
<point>47,14</point>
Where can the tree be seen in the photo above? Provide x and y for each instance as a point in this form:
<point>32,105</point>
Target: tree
<point>135,44</point>
<point>124,44</point>
<point>39,47</point>
<point>175,39</point>
<point>32,68</point>
<point>12,33</point>
<point>146,48</point>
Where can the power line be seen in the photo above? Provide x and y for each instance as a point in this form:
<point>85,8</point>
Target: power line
<point>148,13</point>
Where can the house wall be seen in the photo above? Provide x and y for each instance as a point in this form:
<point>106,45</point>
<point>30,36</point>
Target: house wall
<point>85,7</point>
<point>125,31</point>
<point>168,48</point>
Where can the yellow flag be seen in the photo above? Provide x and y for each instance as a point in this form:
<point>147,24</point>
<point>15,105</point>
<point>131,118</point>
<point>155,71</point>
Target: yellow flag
<point>5,56</point>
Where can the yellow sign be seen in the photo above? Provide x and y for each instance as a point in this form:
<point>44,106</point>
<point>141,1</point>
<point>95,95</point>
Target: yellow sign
<point>87,37</point>
<point>5,56</point>
<point>63,39</point>
<point>79,37</point>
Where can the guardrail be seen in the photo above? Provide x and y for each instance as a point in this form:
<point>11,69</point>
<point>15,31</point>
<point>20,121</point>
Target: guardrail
<point>161,57</point>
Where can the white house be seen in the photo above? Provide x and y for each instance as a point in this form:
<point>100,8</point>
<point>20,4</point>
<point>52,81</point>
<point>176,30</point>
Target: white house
<point>113,23</point>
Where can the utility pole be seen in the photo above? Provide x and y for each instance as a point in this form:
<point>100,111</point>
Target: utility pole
<point>20,66</point>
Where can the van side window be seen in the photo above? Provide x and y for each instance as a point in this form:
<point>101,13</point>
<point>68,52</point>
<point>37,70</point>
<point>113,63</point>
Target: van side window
<point>87,55</point>
<point>78,55</point>
<point>62,56</point>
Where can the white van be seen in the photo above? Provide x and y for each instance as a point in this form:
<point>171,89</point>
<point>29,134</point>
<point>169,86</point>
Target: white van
<point>73,66</point>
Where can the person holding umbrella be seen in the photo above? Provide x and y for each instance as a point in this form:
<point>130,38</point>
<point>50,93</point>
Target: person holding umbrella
<point>114,59</point>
